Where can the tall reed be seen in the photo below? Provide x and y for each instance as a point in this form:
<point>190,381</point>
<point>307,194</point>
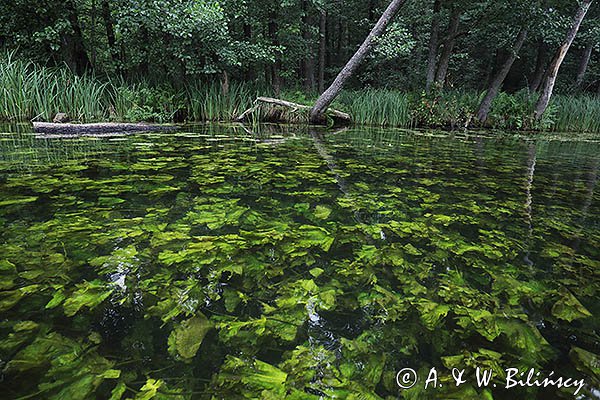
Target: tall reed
<point>576,113</point>
<point>28,91</point>
<point>209,102</point>
<point>378,107</point>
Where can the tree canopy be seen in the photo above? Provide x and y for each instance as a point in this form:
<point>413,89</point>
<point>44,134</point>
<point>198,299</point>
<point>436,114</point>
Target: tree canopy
<point>281,41</point>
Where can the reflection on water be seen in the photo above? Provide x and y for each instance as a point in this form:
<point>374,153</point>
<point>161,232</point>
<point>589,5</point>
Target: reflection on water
<point>283,262</point>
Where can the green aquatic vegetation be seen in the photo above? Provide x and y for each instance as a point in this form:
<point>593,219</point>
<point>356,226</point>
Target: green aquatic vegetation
<point>18,201</point>
<point>322,212</point>
<point>245,271</point>
<point>185,340</point>
<point>569,308</point>
<point>70,369</point>
<point>87,294</point>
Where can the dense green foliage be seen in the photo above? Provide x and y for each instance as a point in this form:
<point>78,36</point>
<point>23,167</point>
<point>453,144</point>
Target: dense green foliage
<point>176,60</point>
<point>221,264</point>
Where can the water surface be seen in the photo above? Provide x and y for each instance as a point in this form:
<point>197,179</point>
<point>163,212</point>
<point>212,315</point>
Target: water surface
<point>283,263</point>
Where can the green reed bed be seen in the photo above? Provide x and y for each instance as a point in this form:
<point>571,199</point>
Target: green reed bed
<point>378,107</point>
<point>210,102</point>
<point>29,91</point>
<point>577,114</point>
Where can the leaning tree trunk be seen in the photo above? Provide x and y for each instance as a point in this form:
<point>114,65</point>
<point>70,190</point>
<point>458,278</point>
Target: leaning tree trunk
<point>442,71</point>
<point>433,44</point>
<point>548,87</point>
<point>583,64</point>
<point>317,112</point>
<point>492,92</point>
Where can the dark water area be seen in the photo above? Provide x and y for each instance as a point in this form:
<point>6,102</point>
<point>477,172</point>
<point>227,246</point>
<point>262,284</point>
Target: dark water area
<point>224,263</point>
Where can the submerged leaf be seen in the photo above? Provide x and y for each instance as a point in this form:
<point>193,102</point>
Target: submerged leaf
<point>586,362</point>
<point>322,212</point>
<point>315,236</point>
<point>8,273</point>
<point>88,294</point>
<point>569,308</point>
<point>18,200</point>
<point>150,389</point>
<point>432,313</point>
<point>185,340</point>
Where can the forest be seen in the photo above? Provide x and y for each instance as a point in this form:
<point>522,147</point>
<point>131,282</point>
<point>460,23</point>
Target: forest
<point>508,64</point>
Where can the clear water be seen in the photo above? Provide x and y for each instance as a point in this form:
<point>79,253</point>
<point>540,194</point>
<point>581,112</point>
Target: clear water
<point>285,263</point>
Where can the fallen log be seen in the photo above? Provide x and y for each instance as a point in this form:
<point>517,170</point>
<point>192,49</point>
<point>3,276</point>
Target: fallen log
<point>96,129</point>
<point>277,110</point>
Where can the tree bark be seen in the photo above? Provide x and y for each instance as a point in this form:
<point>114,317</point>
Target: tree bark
<point>250,73</point>
<point>316,114</point>
<point>322,49</point>
<point>307,65</point>
<point>492,92</point>
<point>540,67</point>
<point>440,78</point>
<point>50,128</point>
<point>295,111</point>
<point>433,44</point>
<point>76,56</point>
<point>274,70</point>
<point>225,83</point>
<point>583,64</point>
<point>548,87</point>
<point>93,32</point>
<point>110,34</point>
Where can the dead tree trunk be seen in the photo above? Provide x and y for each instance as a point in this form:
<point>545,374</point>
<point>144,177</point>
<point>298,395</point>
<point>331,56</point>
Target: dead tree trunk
<point>583,64</point>
<point>440,78</point>
<point>276,110</point>
<point>548,87</point>
<point>492,92</point>
<point>317,112</point>
<point>433,44</point>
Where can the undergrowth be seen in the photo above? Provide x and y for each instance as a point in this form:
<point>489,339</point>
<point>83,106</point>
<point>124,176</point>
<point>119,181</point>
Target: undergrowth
<point>31,92</point>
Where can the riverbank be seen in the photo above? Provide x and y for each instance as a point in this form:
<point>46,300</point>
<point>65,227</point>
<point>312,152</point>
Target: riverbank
<point>32,92</point>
